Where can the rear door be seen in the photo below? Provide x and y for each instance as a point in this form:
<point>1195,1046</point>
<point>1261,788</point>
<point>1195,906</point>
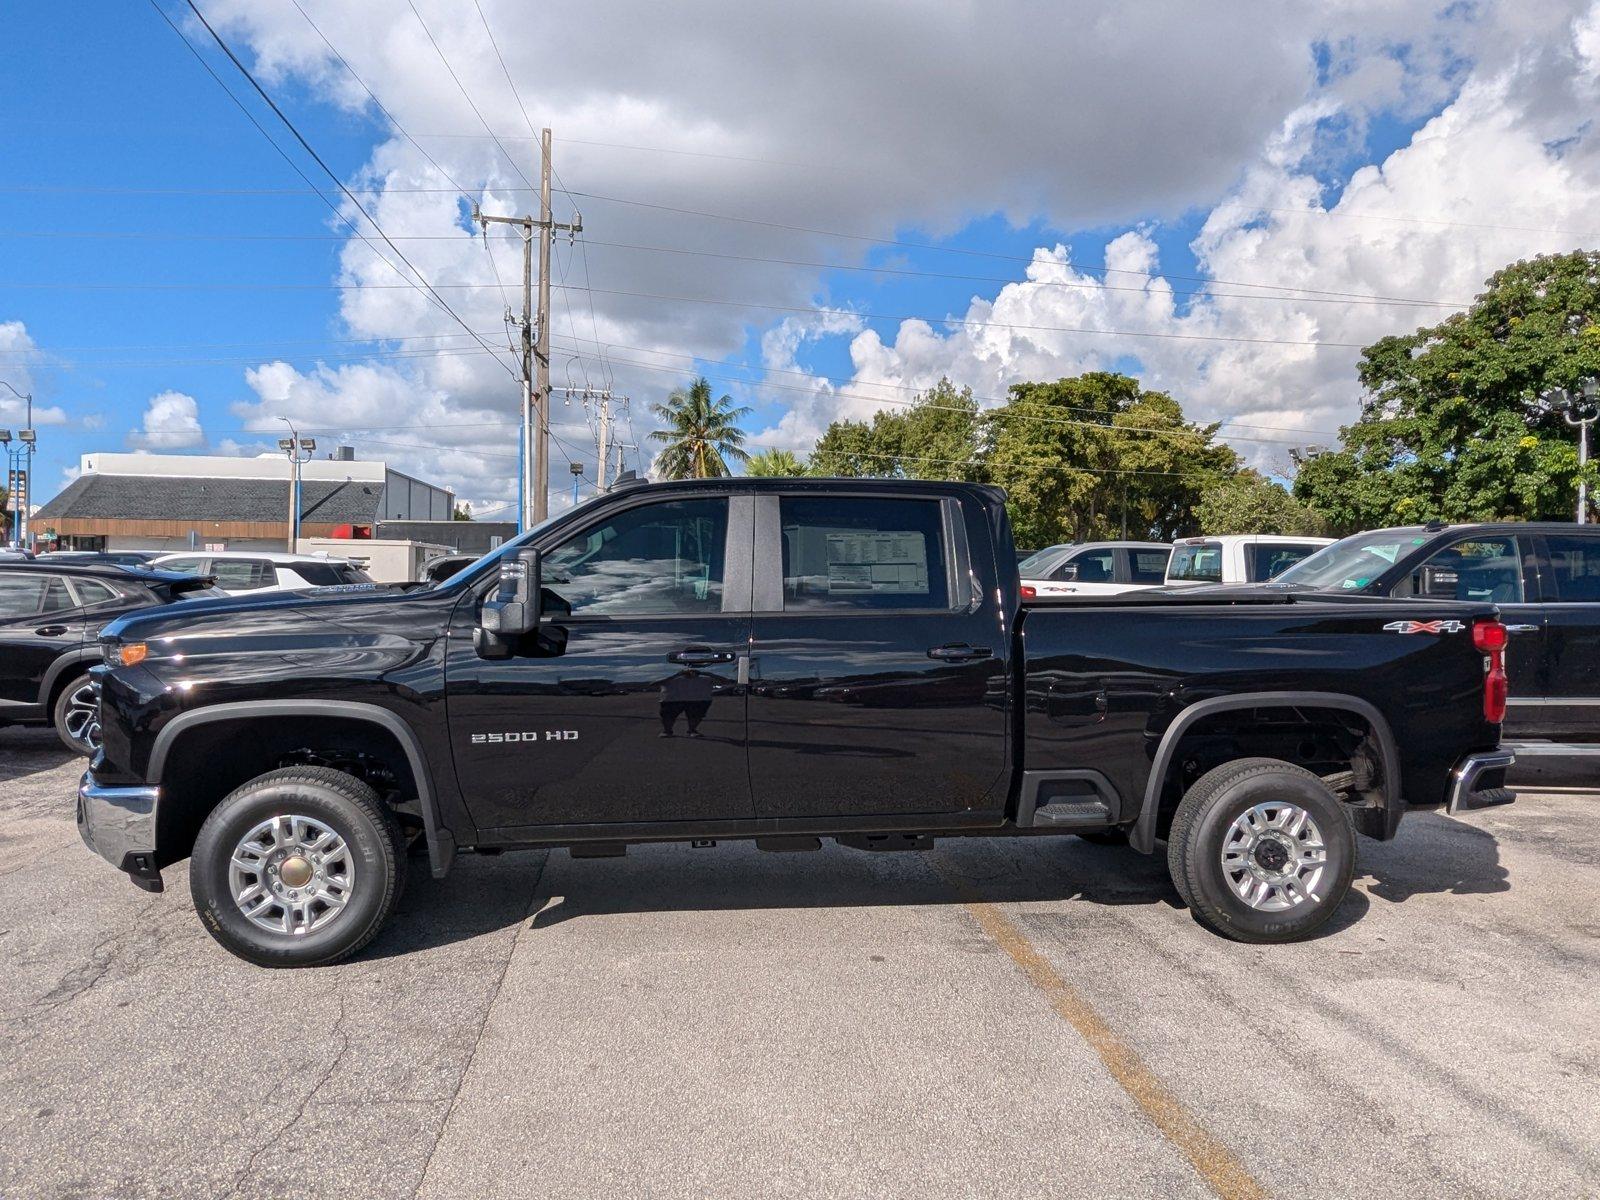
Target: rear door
<point>1142,566</point>
<point>628,706</point>
<point>39,622</point>
<point>1570,616</point>
<point>880,667</point>
<point>1501,569</point>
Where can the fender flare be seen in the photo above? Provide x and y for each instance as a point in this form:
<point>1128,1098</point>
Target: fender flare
<point>1143,837</point>
<point>441,843</point>
<point>84,655</point>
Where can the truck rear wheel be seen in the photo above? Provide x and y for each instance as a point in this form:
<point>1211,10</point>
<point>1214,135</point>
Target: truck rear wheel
<point>297,868</point>
<point>1261,851</point>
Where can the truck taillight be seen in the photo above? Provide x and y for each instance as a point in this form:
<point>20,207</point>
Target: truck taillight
<point>1029,592</point>
<point>1491,637</point>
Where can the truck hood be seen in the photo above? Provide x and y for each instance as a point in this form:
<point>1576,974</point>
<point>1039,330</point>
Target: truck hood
<point>280,614</point>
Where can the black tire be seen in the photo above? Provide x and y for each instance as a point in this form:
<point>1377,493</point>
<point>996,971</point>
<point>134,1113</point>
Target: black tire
<point>350,809</point>
<point>64,709</point>
<point>1202,825</point>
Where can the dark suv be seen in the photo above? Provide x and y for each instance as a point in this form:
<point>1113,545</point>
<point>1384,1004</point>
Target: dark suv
<point>1545,578</point>
<point>50,615</point>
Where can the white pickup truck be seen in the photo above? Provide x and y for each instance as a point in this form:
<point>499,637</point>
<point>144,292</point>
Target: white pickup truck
<point>1093,568</point>
<point>1237,557</point>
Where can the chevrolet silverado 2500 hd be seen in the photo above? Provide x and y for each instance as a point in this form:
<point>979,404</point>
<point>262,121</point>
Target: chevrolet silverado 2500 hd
<point>780,661</point>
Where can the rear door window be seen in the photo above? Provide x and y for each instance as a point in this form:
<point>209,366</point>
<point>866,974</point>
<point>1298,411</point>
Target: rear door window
<point>1089,566</point>
<point>1574,567</point>
<point>57,598</point>
<point>862,552</point>
<point>243,574</point>
<point>1268,561</point>
<point>182,566</point>
<point>1147,566</point>
<point>1196,562</point>
<point>92,592</point>
<point>1476,568</point>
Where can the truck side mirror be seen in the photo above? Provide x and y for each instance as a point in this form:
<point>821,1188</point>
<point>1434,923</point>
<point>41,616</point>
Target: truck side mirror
<point>511,611</point>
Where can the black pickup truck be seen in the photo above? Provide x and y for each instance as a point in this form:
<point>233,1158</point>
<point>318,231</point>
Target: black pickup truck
<point>779,661</point>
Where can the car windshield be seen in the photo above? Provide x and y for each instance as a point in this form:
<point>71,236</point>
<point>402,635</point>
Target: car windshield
<point>1353,563</point>
<point>1040,560</point>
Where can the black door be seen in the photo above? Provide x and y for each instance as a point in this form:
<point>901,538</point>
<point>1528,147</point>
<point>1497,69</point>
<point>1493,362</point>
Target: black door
<point>1570,707</point>
<point>39,622</point>
<point>1501,569</point>
<point>627,707</point>
<point>878,686</point>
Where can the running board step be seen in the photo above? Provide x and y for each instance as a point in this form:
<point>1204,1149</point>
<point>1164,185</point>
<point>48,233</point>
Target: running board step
<point>1073,814</point>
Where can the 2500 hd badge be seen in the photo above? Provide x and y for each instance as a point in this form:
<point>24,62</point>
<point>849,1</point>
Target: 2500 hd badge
<point>549,735</point>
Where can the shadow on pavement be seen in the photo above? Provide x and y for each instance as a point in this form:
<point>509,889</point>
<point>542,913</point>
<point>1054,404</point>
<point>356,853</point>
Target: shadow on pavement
<point>26,751</point>
<point>1433,854</point>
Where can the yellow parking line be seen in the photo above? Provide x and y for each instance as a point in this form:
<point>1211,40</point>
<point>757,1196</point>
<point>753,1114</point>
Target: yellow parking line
<point>1215,1162</point>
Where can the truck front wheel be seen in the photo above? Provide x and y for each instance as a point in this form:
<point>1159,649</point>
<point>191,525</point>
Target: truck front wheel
<point>297,868</point>
<point>1261,851</point>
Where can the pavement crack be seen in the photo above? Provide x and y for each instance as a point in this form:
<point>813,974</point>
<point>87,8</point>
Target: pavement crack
<point>300,1111</point>
<point>488,1009</point>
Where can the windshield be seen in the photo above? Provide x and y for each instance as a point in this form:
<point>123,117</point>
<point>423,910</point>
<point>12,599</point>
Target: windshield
<point>1196,562</point>
<point>1040,560</point>
<point>1355,562</point>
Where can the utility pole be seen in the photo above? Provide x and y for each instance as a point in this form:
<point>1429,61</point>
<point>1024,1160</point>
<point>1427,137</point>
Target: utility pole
<point>534,485</point>
<point>605,429</point>
<point>291,446</point>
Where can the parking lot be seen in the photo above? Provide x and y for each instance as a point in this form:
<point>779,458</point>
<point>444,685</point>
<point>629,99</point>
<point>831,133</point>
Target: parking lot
<point>995,1018</point>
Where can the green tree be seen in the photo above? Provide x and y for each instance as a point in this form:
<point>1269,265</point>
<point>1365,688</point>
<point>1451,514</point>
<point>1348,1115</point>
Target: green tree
<point>1251,503</point>
<point>1457,423</point>
<point>461,512</point>
<point>702,434</point>
<point>775,464</point>
<point>937,436</point>
<point>1097,456</point>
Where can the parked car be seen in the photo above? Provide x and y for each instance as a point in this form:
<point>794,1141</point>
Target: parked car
<point>241,571</point>
<point>1094,569</point>
<point>1237,558</point>
<point>776,660</point>
<point>125,558</point>
<point>1545,579</point>
<point>50,615</point>
<point>437,570</point>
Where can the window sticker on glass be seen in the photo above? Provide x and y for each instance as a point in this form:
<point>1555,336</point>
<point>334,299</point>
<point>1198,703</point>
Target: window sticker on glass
<point>887,562</point>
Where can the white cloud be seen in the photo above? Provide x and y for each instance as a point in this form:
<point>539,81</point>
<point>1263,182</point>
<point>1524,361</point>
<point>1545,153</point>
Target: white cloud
<point>877,120</point>
<point>171,422</point>
<point>18,356</point>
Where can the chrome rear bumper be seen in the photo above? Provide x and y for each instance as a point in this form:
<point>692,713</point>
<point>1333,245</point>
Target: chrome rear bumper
<point>119,824</point>
<point>1469,773</point>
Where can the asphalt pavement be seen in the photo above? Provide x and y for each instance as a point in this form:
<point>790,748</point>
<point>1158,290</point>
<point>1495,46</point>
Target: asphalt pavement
<point>995,1018</point>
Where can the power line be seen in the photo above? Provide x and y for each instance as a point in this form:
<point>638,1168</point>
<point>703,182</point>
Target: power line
<point>392,119</point>
<point>317,158</point>
<point>1084,284</point>
<point>510,158</point>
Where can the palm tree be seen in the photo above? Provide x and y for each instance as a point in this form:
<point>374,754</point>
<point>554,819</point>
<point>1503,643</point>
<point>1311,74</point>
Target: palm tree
<point>702,434</point>
<point>775,464</point>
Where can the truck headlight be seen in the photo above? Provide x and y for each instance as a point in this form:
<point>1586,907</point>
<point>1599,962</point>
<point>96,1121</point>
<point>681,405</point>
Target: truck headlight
<point>126,654</point>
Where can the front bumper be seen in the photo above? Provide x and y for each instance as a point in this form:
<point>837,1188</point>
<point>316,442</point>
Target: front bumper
<point>119,824</point>
<point>1467,790</point>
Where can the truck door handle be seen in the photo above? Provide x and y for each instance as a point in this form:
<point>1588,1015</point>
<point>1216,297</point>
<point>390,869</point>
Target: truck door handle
<point>960,652</point>
<point>51,630</point>
<point>699,656</point>
<point>1522,629</point>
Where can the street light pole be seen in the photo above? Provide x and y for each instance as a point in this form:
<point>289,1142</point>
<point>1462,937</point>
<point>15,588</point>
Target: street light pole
<point>26,438</point>
<point>1588,412</point>
<point>292,445</point>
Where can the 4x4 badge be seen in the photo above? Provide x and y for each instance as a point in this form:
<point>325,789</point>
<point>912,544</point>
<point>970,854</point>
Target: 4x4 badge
<point>1424,626</point>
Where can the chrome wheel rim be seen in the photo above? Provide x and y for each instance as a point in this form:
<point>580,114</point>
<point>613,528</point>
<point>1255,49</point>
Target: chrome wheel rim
<point>82,718</point>
<point>1274,857</point>
<point>291,874</point>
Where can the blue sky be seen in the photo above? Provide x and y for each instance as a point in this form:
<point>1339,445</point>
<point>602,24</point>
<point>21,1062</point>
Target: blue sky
<point>112,126</point>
